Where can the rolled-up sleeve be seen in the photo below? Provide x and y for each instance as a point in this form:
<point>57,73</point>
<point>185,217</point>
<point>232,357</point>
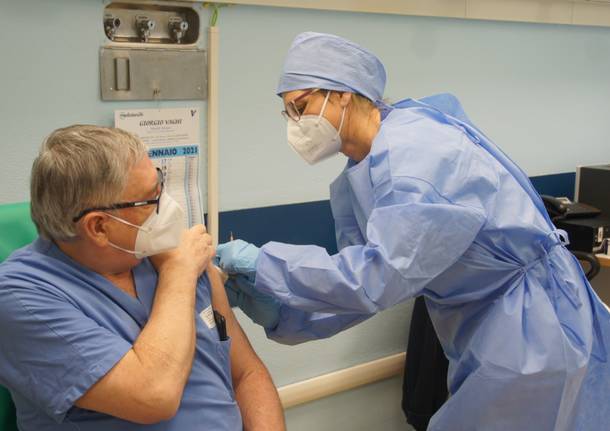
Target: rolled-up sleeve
<point>50,351</point>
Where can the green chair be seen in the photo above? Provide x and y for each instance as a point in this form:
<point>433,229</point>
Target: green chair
<point>8,421</point>
<point>16,230</point>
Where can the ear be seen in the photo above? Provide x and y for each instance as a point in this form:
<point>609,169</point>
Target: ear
<point>93,228</point>
<point>346,99</point>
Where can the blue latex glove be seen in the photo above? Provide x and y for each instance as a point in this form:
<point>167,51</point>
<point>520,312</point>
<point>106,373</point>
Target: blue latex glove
<point>238,257</point>
<point>262,309</point>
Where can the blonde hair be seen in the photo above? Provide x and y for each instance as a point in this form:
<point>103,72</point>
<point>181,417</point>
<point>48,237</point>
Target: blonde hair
<point>362,103</point>
<point>79,167</point>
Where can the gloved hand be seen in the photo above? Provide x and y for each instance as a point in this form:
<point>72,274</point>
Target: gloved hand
<point>262,309</point>
<point>238,257</point>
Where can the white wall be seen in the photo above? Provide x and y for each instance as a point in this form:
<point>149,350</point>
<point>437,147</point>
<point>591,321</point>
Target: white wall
<point>541,91</point>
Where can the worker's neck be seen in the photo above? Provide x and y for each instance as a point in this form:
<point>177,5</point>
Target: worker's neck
<point>373,125</point>
<point>95,259</point>
<point>364,130</point>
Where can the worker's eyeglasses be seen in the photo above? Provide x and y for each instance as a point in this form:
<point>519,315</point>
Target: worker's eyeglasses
<point>128,204</point>
<point>291,110</point>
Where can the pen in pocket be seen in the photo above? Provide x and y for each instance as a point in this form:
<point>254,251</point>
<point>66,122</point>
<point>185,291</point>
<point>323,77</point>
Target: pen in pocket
<point>221,326</point>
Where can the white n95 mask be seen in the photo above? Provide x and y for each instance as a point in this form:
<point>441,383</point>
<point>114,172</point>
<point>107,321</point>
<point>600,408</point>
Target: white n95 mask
<point>160,232</point>
<point>313,137</point>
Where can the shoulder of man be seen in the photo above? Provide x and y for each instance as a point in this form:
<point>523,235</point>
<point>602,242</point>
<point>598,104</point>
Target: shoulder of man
<point>32,267</point>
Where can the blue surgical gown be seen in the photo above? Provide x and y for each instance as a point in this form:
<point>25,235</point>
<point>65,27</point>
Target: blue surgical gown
<point>63,327</point>
<point>436,209</point>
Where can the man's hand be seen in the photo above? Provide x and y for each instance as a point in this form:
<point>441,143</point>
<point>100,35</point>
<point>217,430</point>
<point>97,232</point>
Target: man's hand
<point>147,384</point>
<point>194,252</point>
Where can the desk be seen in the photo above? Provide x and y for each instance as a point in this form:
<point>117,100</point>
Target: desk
<point>604,260</point>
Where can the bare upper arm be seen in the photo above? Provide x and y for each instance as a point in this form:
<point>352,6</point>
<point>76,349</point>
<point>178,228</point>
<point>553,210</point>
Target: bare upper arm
<point>127,392</point>
<point>243,356</point>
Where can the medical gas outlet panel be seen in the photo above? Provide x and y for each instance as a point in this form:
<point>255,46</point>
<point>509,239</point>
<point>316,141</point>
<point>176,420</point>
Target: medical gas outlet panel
<point>151,52</point>
<point>148,23</point>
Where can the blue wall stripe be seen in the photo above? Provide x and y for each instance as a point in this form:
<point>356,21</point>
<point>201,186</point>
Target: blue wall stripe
<point>304,223</point>
<point>556,184</point>
<point>312,222</point>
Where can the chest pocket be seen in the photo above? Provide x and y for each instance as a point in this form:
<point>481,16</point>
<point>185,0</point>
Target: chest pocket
<point>214,354</point>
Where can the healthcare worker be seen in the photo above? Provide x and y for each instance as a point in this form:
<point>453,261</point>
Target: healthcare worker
<point>428,205</point>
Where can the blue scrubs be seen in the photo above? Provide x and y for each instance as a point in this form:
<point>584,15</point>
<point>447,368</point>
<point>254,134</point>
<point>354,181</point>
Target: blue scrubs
<point>63,327</point>
<point>436,209</point>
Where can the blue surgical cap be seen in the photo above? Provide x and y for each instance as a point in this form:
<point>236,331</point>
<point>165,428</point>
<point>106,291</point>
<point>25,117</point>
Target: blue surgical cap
<point>329,62</point>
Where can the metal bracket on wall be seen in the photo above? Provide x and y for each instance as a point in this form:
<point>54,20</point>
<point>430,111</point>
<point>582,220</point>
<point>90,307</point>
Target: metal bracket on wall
<point>153,74</point>
<point>151,22</point>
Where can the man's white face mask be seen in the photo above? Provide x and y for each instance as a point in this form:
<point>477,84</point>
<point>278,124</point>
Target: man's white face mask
<point>160,232</point>
<point>313,137</point>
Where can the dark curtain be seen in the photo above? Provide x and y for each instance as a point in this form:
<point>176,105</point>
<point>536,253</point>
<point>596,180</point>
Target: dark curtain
<point>425,380</point>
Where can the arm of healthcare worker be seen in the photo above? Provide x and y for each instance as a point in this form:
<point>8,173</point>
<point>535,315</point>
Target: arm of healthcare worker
<point>296,326</point>
<point>255,392</point>
<point>284,324</point>
<point>409,244</point>
<point>146,385</point>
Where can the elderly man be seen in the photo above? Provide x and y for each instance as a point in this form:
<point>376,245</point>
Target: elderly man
<point>96,336</point>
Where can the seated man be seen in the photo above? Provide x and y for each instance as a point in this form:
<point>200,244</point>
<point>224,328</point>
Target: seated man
<point>94,335</point>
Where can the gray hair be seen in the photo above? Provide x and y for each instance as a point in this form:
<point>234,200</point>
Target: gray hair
<point>79,167</point>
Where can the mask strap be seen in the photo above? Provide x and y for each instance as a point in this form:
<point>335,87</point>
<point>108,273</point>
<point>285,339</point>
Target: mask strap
<point>324,105</point>
<point>341,122</point>
<point>127,223</point>
<point>121,248</point>
<point>342,113</point>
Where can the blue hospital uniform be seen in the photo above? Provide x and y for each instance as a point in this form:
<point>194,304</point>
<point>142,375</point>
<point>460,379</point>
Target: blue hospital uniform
<point>63,327</point>
<point>436,209</point>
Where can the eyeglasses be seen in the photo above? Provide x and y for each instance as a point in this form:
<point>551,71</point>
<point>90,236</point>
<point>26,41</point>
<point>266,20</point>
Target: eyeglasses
<point>291,110</point>
<point>128,204</point>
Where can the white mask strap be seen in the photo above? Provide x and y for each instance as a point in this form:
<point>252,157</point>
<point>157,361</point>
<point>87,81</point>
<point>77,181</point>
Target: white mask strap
<point>128,223</point>
<point>121,248</point>
<point>342,113</point>
<point>324,104</point>
<point>341,122</point>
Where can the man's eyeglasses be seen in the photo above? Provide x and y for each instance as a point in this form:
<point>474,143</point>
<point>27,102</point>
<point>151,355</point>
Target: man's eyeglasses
<point>128,204</point>
<point>292,111</point>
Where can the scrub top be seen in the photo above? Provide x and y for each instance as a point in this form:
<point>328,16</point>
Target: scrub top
<point>436,209</point>
<point>63,327</point>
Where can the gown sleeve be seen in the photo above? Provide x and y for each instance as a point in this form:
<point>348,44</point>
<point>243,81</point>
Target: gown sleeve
<point>347,230</point>
<point>297,326</point>
<point>411,239</point>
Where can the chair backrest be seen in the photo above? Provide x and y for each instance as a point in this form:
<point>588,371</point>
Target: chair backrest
<point>8,421</point>
<point>16,230</point>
